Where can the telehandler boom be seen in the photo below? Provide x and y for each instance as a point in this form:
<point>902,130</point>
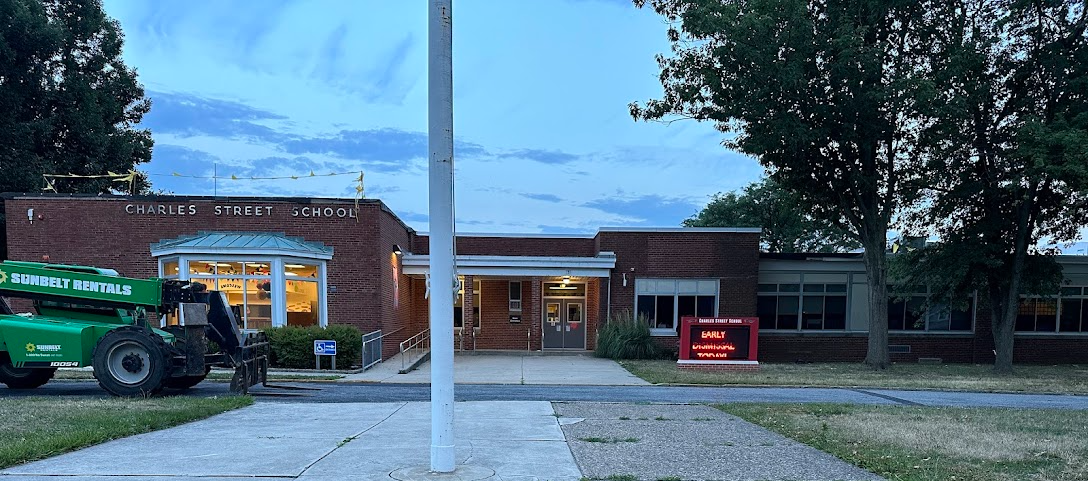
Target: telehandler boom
<point>88,316</point>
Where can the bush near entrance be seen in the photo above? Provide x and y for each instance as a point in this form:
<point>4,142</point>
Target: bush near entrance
<point>293,347</point>
<point>625,337</point>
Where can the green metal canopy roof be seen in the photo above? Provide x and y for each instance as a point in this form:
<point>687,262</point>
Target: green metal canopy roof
<point>242,243</point>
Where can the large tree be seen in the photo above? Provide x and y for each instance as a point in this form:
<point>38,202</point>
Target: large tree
<point>1008,153</point>
<point>68,103</point>
<point>786,226</point>
<point>823,93</point>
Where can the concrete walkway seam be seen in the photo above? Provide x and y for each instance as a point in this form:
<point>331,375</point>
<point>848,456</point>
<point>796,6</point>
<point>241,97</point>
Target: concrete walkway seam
<point>351,438</point>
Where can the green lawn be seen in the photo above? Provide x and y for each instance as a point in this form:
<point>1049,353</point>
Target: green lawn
<point>39,427</point>
<point>925,443</point>
<point>1065,379</point>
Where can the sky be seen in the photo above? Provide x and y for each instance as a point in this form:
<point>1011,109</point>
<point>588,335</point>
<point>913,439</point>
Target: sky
<point>544,142</point>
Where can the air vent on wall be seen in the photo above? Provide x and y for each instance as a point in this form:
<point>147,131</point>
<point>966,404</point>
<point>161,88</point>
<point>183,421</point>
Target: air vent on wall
<point>899,348</point>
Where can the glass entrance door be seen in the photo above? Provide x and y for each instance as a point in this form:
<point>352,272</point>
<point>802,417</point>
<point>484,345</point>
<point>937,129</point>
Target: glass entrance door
<point>564,324</point>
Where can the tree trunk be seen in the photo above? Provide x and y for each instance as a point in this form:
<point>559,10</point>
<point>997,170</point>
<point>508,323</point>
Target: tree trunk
<point>1004,320</point>
<point>876,269</point>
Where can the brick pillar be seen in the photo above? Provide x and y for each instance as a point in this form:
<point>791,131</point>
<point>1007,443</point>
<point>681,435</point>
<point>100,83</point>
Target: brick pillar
<point>469,317</point>
<point>536,313</point>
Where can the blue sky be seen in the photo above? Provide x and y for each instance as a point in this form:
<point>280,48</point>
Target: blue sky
<point>544,139</point>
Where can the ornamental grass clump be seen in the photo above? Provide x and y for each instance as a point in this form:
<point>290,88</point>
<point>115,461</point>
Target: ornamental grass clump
<point>626,337</point>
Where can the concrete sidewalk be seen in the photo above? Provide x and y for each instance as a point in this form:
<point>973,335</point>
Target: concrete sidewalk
<point>515,440</point>
<point>495,440</point>
<point>578,370</point>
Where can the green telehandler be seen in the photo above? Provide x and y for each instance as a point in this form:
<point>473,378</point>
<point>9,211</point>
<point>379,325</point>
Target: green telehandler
<point>88,316</point>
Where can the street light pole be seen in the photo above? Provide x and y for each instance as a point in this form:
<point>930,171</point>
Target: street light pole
<point>443,275</point>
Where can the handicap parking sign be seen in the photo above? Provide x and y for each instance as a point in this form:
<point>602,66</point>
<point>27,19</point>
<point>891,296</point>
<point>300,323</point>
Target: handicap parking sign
<point>325,348</point>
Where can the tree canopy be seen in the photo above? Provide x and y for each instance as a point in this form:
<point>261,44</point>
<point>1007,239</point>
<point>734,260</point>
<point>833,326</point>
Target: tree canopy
<point>68,102</point>
<point>824,93</point>
<point>1006,154</point>
<point>786,227</point>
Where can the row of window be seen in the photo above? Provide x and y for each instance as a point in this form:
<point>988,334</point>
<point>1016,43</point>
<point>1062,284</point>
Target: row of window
<point>664,302</point>
<point>1066,313</point>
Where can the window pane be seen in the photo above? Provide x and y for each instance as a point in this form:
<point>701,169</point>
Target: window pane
<point>961,319</point>
<point>259,303</point>
<point>1070,321</point>
<point>1025,317</point>
<point>814,287</point>
<point>302,303</point>
<point>300,270</point>
<point>1046,315</point>
<point>768,288</point>
<point>812,314</point>
<point>787,312</point>
<point>705,306</point>
<point>1084,316</point>
<point>914,320</point>
<point>515,291</point>
<point>766,308</point>
<point>258,268</point>
<point>201,268</point>
<point>789,287</point>
<point>835,312</point>
<point>685,306</point>
<point>664,312</point>
<point>938,317</point>
<point>1070,291</point>
<point>896,314</point>
<point>228,268</point>
<point>170,268</point>
<point>646,309</point>
<point>836,288</point>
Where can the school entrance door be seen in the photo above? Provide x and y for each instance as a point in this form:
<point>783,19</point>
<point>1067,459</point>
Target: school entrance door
<point>564,324</point>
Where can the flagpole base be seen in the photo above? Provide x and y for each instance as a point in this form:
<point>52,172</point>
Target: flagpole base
<point>464,472</point>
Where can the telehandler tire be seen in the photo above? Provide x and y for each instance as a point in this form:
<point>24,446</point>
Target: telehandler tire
<point>185,382</point>
<point>131,361</point>
<point>22,377</point>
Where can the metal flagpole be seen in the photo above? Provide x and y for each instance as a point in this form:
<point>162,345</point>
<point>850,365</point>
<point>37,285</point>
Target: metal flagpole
<point>443,276</point>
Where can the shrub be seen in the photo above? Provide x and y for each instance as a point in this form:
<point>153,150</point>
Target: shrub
<point>625,337</point>
<point>293,346</point>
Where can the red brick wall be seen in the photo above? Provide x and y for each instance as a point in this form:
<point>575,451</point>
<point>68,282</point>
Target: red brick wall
<point>516,246</point>
<point>98,231</point>
<point>496,330</point>
<point>733,258</point>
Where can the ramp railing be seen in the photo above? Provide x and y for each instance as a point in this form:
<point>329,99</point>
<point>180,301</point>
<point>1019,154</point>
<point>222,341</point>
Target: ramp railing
<point>373,342</point>
<point>414,346</point>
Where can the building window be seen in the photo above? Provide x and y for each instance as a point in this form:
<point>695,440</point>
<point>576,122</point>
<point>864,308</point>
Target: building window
<point>245,283</point>
<point>254,291</point>
<point>459,305</point>
<point>515,296</point>
<point>1066,313</point>
<point>795,306</point>
<point>303,305</point>
<point>907,311</point>
<point>662,303</point>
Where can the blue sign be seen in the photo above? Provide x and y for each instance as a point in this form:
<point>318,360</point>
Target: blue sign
<point>325,348</point>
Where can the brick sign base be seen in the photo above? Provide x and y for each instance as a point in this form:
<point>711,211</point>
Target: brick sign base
<point>719,366</point>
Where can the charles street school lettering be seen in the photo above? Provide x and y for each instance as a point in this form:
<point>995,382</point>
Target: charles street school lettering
<point>238,210</point>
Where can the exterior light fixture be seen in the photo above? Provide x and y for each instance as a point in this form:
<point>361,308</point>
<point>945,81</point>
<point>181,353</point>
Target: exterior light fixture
<point>566,279</point>
<point>396,249</point>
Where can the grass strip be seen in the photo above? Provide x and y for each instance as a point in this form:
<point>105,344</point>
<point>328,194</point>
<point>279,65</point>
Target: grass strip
<point>929,443</point>
<point>1064,379</point>
<point>35,428</point>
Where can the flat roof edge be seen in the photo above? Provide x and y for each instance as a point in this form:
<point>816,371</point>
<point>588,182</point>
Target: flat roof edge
<point>722,230</point>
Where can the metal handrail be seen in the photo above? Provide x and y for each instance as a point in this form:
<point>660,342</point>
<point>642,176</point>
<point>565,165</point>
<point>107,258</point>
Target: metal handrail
<point>378,339</point>
<point>420,342</point>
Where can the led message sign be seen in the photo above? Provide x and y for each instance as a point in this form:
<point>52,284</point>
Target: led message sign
<point>718,339</point>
